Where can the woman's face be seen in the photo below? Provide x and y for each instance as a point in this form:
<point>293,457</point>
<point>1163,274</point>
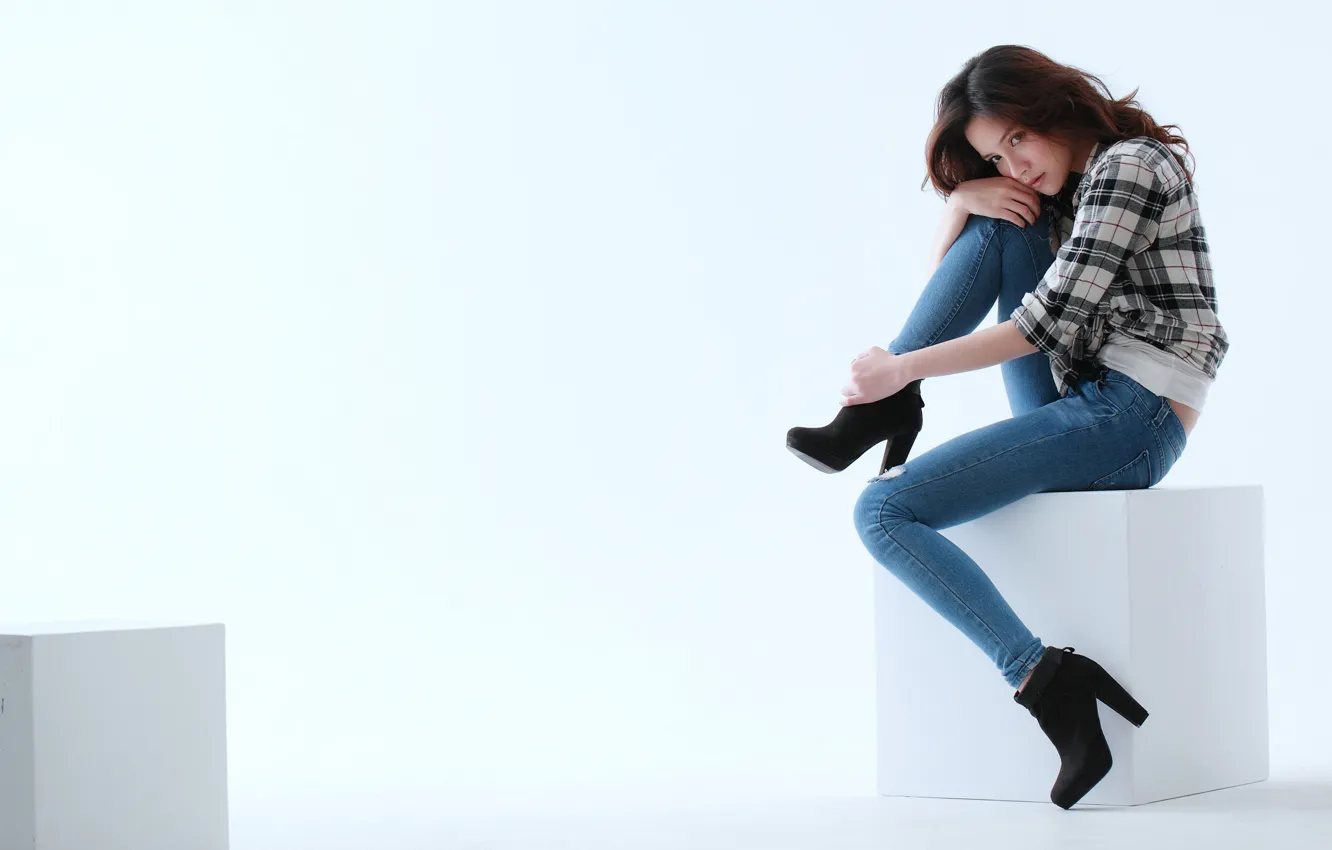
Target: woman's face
<point>1038,161</point>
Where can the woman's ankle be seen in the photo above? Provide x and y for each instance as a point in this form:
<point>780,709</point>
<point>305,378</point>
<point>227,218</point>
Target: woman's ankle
<point>1026,680</point>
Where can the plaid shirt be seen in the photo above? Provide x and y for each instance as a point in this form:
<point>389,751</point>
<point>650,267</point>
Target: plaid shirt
<point>1133,258</point>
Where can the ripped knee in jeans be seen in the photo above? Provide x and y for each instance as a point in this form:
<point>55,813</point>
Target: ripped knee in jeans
<point>891,472</point>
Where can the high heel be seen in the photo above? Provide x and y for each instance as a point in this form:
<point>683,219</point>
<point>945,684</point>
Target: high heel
<point>1061,694</point>
<point>1113,694</point>
<point>857,427</point>
<point>896,451</point>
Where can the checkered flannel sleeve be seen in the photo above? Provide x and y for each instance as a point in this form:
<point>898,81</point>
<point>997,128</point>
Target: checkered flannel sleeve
<point>1119,216</point>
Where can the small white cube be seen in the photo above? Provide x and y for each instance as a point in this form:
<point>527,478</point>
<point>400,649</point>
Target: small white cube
<point>1163,587</point>
<point>113,736</point>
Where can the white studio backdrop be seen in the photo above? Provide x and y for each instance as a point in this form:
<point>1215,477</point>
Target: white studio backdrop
<point>445,352</point>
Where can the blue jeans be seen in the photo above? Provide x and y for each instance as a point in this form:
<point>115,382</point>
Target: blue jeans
<point>1108,433</point>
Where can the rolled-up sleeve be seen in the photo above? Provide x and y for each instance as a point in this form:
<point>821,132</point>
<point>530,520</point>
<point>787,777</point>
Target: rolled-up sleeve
<point>1118,216</point>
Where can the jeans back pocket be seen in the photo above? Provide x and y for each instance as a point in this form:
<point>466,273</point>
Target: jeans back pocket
<point>1134,475</point>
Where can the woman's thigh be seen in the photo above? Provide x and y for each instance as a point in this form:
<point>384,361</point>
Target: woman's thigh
<point>1099,437</point>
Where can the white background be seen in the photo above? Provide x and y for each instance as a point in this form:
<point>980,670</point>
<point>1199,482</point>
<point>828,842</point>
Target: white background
<point>445,352</point>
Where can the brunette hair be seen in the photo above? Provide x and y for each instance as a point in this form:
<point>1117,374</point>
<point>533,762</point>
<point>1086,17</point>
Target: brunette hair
<point>1015,84</point>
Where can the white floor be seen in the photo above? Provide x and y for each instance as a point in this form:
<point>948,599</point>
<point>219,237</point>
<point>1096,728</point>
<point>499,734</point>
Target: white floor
<point>1288,813</point>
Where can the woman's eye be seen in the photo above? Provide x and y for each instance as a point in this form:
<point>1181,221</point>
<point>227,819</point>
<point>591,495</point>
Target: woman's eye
<point>1012,140</point>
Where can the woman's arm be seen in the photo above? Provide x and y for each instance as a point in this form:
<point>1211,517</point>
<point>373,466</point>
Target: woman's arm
<point>992,346</point>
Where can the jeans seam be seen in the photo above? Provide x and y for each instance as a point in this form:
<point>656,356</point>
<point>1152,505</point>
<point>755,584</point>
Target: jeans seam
<point>945,585</point>
<point>1178,450</point>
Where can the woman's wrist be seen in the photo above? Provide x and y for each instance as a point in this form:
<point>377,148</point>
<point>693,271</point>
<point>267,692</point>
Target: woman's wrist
<point>988,347</point>
<point>912,366</point>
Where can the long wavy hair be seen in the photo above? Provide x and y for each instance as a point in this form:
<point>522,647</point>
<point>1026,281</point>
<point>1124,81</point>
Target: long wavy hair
<point>1011,83</point>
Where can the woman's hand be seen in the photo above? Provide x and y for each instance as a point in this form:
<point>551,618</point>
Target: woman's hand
<point>875,374</point>
<point>998,197</point>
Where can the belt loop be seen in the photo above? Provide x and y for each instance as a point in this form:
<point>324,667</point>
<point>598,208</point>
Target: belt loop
<point>1161,412</point>
<point>1102,371</point>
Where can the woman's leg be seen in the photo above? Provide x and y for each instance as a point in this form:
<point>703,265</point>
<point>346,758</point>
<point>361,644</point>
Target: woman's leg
<point>991,260</point>
<point>1092,439</point>
<point>1027,379</point>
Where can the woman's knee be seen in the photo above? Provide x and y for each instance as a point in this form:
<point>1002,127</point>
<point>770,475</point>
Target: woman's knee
<point>882,504</point>
<point>1027,233</point>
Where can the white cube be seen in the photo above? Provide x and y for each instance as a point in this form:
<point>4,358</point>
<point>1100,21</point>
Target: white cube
<point>113,736</point>
<point>1163,587</point>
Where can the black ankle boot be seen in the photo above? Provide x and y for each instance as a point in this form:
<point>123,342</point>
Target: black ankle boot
<point>840,443</point>
<point>1061,694</point>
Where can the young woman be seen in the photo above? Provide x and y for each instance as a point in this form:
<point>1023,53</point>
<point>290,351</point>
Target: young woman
<point>1071,210</point>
